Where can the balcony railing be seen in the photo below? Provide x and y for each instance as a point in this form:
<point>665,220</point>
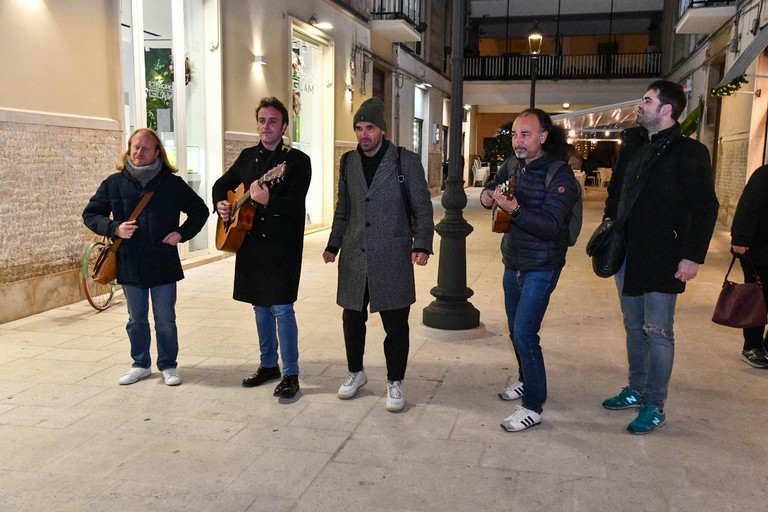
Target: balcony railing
<point>409,10</point>
<point>566,67</point>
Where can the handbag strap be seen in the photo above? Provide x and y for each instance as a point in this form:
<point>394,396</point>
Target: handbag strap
<point>135,215</point>
<point>754,272</point>
<point>645,171</point>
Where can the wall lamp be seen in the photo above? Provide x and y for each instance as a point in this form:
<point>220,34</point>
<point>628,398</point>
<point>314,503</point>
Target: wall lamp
<point>259,59</point>
<point>322,25</point>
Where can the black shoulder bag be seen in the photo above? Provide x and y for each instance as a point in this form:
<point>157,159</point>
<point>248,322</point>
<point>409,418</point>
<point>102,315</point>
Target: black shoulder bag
<point>607,246</point>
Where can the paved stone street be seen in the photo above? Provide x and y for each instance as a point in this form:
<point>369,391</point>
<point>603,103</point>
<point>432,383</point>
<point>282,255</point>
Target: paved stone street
<point>72,439</point>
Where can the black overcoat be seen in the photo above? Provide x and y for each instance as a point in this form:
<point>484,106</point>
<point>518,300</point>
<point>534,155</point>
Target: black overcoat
<point>674,215</point>
<point>144,260</point>
<point>268,264</point>
<point>750,222</point>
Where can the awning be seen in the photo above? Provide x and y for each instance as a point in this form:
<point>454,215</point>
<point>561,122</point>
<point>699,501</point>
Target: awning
<point>747,57</point>
<point>614,118</point>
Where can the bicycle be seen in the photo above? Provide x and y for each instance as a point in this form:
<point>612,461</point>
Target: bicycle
<point>99,295</point>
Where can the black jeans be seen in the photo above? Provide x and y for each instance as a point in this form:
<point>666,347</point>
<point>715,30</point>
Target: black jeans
<point>396,341</point>
<point>754,336</point>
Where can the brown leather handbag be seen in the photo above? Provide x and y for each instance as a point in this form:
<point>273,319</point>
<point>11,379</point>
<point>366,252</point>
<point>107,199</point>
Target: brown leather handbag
<point>740,305</point>
<point>105,268</point>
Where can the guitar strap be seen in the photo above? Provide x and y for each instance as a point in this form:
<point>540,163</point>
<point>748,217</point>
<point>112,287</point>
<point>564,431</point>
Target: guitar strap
<point>272,161</point>
<point>135,215</point>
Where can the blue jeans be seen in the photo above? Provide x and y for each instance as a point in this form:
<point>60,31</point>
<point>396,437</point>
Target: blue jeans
<point>526,297</point>
<point>278,322</point>
<point>649,321</point>
<point>164,312</point>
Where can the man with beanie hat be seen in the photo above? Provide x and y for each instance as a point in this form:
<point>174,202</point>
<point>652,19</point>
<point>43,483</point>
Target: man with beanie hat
<point>383,225</point>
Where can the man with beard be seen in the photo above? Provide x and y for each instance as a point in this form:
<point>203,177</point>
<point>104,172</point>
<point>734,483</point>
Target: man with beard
<point>667,234</point>
<point>383,226</point>
<point>533,250</point>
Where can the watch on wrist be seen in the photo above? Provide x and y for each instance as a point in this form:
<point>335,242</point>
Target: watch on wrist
<point>514,213</point>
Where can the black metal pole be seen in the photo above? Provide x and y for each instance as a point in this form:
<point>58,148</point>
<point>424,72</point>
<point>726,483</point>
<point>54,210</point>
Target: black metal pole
<point>534,70</point>
<point>451,310</point>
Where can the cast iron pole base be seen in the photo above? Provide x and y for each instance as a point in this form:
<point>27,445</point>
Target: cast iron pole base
<point>451,310</point>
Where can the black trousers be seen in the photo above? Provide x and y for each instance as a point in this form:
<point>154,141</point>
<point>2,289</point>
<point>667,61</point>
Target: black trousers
<point>396,342</point>
<point>754,336</point>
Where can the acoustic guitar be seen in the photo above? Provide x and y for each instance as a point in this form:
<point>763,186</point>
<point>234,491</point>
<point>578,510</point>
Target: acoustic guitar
<point>499,218</point>
<point>230,233</point>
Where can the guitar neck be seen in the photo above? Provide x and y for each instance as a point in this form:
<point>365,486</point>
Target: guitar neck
<point>247,194</point>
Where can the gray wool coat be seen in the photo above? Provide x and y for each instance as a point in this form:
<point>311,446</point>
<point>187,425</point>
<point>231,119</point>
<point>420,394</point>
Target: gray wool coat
<point>374,235</point>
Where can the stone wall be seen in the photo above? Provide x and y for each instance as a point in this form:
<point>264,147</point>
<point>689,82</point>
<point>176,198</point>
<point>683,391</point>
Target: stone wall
<point>49,167</point>
<point>731,174</point>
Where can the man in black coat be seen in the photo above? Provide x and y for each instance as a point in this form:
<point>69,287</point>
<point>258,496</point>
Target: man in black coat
<point>667,235</point>
<point>268,265</point>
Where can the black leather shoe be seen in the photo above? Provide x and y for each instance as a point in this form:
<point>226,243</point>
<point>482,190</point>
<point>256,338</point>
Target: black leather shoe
<point>261,376</point>
<point>288,387</point>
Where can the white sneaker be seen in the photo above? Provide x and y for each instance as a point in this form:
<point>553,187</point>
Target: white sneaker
<point>395,397</point>
<point>512,392</point>
<point>521,419</point>
<point>135,375</point>
<point>353,382</point>
<point>172,377</point>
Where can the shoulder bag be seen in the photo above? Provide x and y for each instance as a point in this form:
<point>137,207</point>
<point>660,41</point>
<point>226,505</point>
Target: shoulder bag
<point>105,268</point>
<point>607,246</point>
<point>740,305</point>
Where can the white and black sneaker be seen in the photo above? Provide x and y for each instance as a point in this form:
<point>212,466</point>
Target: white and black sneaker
<point>755,358</point>
<point>521,419</point>
<point>512,392</point>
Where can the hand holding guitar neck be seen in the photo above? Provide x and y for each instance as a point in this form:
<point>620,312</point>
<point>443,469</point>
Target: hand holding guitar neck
<point>503,202</point>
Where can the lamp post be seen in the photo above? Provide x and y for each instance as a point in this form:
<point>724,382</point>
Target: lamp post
<point>451,309</point>
<point>535,37</point>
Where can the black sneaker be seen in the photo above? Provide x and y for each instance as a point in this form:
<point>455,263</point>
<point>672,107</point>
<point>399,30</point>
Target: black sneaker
<point>755,358</point>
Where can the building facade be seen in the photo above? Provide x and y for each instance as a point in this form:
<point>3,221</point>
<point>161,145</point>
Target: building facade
<point>80,77</point>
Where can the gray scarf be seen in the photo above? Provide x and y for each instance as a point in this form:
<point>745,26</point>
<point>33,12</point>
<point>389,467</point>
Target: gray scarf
<point>143,174</point>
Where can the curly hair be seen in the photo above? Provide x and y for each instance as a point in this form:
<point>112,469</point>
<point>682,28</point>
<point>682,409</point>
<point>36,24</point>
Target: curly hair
<point>275,103</point>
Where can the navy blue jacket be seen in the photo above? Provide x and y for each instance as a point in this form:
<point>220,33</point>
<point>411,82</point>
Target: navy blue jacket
<point>144,260</point>
<point>537,238</point>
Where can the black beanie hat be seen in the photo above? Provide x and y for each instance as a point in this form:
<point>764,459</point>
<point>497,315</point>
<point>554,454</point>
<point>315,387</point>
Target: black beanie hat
<point>371,111</point>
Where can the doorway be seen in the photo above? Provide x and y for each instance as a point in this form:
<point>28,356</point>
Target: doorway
<point>160,38</point>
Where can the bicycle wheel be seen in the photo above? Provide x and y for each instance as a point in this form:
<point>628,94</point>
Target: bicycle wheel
<point>99,295</point>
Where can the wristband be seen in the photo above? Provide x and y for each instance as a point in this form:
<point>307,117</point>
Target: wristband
<point>514,213</point>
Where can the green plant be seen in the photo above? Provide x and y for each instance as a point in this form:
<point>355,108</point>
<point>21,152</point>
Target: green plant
<point>499,148</point>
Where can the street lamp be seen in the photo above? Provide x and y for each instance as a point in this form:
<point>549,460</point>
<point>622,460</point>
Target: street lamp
<point>535,37</point>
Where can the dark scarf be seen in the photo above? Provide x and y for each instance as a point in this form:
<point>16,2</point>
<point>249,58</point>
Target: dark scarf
<point>371,163</point>
<point>143,174</point>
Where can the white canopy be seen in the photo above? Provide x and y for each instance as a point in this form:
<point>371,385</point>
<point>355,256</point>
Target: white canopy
<point>613,118</point>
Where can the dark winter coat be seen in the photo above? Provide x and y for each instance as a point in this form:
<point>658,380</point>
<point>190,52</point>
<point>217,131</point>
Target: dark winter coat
<point>268,264</point>
<point>750,222</point>
<point>674,215</point>
<point>371,228</point>
<point>144,260</point>
<point>537,238</point>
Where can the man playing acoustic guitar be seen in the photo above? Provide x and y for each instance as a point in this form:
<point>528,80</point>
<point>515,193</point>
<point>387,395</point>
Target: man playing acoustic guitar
<point>533,250</point>
<point>268,264</point>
